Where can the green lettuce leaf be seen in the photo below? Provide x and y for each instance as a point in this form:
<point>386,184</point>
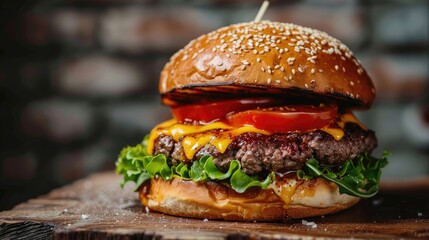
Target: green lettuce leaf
<point>137,166</point>
<point>360,177</point>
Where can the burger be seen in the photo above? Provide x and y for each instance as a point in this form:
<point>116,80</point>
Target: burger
<point>262,128</point>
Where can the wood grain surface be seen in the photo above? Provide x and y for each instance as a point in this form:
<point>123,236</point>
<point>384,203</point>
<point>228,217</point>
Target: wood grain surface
<point>97,208</point>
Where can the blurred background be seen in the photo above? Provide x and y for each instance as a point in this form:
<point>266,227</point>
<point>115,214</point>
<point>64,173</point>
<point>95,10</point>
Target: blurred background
<point>78,78</point>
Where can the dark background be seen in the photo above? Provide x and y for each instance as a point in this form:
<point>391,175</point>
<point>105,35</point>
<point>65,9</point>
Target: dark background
<point>78,78</point>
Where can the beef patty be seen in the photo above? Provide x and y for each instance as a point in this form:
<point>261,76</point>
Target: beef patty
<point>278,152</point>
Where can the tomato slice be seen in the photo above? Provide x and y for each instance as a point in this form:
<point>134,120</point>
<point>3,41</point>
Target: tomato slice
<point>209,112</point>
<point>286,119</point>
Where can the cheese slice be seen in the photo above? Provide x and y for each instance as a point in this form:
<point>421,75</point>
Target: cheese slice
<point>338,133</point>
<point>194,137</point>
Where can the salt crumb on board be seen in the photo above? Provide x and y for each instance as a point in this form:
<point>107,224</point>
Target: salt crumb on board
<point>377,202</point>
<point>84,216</point>
<point>309,224</point>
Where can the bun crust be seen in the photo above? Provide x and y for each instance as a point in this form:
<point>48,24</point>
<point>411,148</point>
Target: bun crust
<point>283,57</point>
<point>214,200</point>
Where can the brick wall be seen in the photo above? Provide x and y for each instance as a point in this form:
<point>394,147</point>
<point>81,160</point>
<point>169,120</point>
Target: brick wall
<point>79,78</point>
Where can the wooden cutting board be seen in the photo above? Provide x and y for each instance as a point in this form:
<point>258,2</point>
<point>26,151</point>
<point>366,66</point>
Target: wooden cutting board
<point>97,208</point>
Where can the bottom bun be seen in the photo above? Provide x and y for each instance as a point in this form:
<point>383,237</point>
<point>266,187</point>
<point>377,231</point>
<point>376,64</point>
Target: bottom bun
<point>213,200</point>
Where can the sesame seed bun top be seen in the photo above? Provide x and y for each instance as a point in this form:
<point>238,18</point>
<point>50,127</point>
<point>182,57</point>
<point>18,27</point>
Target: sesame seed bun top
<point>253,57</point>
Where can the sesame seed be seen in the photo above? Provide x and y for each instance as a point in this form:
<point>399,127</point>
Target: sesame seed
<point>320,70</point>
<point>293,71</point>
<point>352,83</point>
<point>228,55</point>
<point>277,81</point>
<point>336,67</point>
<point>286,50</point>
<point>313,83</point>
<point>269,80</point>
<point>282,69</point>
<point>306,85</point>
<point>329,51</point>
<point>245,62</point>
<point>223,69</point>
<point>258,60</point>
<point>220,63</point>
<point>297,49</point>
<point>277,66</point>
<point>300,69</point>
<point>262,69</point>
<point>348,55</point>
<point>344,69</point>
<point>312,71</point>
<point>243,67</point>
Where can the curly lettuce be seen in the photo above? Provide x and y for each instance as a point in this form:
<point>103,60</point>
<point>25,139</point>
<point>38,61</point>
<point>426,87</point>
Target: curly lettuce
<point>137,166</point>
<point>360,177</point>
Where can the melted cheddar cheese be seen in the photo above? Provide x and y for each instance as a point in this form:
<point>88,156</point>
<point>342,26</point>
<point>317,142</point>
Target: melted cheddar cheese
<point>317,192</point>
<point>338,133</point>
<point>194,137</point>
<point>285,190</point>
